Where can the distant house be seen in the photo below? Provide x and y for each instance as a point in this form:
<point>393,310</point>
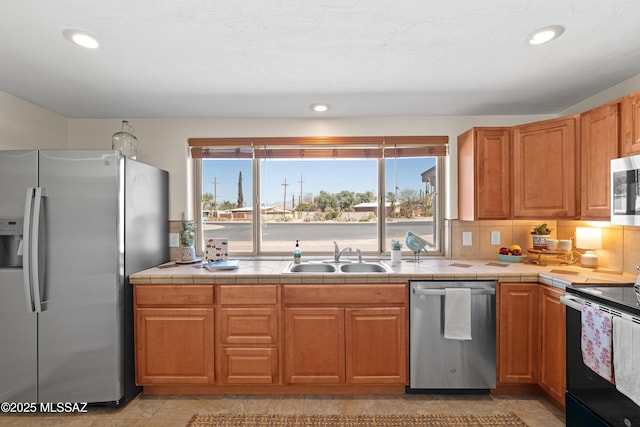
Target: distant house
<point>246,212</point>
<point>237,213</point>
<point>429,178</point>
<point>372,207</point>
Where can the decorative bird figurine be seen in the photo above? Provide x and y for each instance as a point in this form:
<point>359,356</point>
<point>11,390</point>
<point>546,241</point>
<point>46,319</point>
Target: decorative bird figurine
<point>417,244</point>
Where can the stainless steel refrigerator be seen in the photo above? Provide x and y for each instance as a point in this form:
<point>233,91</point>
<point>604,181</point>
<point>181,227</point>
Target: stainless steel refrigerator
<point>74,224</point>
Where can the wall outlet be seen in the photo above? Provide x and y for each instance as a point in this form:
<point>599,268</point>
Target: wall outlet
<point>466,238</point>
<point>495,238</point>
<point>174,240</point>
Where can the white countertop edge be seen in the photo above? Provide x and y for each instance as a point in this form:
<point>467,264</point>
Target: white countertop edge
<point>263,271</point>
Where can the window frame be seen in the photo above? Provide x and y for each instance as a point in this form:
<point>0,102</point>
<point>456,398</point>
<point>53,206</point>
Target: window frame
<point>406,146</point>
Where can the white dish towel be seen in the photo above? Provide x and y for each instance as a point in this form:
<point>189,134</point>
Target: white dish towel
<point>626,357</point>
<point>457,313</point>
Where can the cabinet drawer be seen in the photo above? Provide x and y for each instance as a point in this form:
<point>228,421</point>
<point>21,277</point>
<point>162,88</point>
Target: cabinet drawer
<point>171,295</point>
<point>248,294</point>
<point>249,325</point>
<point>340,294</point>
<point>249,366</point>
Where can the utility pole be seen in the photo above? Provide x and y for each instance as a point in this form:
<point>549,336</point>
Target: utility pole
<point>215,191</point>
<point>300,199</point>
<point>284,202</point>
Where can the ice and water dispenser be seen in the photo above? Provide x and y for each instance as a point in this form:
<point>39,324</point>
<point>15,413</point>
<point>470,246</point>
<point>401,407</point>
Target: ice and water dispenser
<point>11,242</point>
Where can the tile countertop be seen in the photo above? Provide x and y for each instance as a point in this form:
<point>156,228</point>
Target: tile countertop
<point>269,271</point>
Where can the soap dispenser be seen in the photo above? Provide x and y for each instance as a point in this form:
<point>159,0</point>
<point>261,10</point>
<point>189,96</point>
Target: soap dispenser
<point>297,253</point>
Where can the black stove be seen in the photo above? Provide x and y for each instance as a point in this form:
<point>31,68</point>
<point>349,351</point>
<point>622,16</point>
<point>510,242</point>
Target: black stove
<point>621,297</point>
<point>590,399</point>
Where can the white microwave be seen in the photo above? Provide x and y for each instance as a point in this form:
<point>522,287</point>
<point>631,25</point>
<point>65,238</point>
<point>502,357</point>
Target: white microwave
<point>625,191</point>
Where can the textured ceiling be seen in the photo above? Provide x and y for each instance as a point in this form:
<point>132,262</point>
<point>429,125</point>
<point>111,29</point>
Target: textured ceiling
<point>272,58</point>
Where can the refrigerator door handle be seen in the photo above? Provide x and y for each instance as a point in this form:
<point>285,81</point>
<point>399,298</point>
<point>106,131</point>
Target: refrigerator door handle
<point>30,239</point>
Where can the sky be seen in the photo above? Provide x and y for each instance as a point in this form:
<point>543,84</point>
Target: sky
<point>332,176</point>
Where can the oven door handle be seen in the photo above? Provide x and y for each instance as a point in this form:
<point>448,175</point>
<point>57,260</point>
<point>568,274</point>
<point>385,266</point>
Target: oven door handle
<point>571,301</point>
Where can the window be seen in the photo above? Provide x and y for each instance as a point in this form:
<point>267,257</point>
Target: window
<point>318,201</point>
<point>411,197</point>
<point>263,194</point>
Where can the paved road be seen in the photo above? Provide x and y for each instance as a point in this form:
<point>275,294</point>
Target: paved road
<point>283,231</point>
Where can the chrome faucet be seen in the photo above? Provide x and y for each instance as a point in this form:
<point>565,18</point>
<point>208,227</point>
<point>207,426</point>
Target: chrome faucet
<point>337,252</point>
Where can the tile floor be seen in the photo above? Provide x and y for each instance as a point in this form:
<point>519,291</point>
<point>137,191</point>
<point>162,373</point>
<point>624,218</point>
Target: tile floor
<point>175,411</point>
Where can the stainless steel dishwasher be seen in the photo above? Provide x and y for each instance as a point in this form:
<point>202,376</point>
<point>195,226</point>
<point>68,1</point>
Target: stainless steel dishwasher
<point>440,364</point>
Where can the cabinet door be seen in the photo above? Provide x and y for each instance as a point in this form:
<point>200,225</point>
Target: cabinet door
<point>174,346</point>
<point>314,345</point>
<point>552,343</point>
<point>631,123</point>
<point>484,174</point>
<point>517,324</point>
<point>599,143</point>
<point>376,345</point>
<point>544,169</point>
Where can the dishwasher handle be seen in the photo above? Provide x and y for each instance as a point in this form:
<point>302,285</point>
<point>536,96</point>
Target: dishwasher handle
<point>440,292</point>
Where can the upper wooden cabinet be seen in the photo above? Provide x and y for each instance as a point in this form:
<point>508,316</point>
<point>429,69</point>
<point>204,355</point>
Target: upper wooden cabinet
<point>484,174</point>
<point>544,169</point>
<point>599,143</point>
<point>631,124</point>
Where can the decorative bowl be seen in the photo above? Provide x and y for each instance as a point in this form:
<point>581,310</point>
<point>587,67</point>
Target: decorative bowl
<point>511,258</point>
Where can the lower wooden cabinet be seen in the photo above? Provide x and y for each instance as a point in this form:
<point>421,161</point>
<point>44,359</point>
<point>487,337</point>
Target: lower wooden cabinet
<point>248,325</point>
<point>174,346</point>
<point>221,338</point>
<point>376,343</point>
<point>174,334</point>
<point>552,343</point>
<point>349,342</point>
<point>517,323</point>
<point>314,345</point>
<point>531,338</point>
<point>242,365</point>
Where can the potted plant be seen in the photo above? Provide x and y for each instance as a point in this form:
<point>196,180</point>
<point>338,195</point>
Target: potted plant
<point>540,234</point>
<point>396,251</point>
<point>187,233</point>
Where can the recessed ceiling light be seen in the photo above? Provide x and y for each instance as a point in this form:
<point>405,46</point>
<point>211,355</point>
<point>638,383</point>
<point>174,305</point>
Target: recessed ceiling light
<point>545,34</point>
<point>81,38</point>
<point>320,108</point>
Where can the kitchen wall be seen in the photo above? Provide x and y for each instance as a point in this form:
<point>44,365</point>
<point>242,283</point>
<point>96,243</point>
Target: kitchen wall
<point>26,126</point>
<point>163,143</point>
<point>614,92</point>
<point>619,244</point>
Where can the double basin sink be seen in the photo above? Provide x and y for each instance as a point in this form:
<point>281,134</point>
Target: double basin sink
<point>339,267</point>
